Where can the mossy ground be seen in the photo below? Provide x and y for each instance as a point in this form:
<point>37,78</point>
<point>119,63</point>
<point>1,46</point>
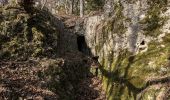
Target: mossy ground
<point>25,35</point>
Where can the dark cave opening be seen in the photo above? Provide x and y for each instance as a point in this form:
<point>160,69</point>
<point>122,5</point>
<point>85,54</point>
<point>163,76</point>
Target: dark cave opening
<point>143,42</point>
<point>82,45</point>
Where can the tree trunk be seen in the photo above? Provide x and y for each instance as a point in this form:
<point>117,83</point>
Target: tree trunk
<point>81,8</point>
<point>71,3</point>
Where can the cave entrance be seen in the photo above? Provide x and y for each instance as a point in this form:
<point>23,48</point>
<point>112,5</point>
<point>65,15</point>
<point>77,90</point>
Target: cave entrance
<point>82,45</point>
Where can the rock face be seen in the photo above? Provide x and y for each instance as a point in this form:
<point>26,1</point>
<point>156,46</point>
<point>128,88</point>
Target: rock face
<point>131,38</point>
<point>132,41</point>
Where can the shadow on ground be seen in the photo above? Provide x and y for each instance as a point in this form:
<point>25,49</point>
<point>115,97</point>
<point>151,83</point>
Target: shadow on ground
<point>44,76</point>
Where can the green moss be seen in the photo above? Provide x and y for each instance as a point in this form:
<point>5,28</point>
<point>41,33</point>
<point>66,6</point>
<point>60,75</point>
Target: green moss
<point>93,5</point>
<point>24,35</point>
<point>116,25</point>
<point>127,94</point>
<point>141,69</point>
<point>166,39</point>
<point>151,93</point>
<point>135,69</point>
<point>153,22</point>
<point>128,72</point>
<point>97,48</point>
<point>37,35</point>
<point>131,1</point>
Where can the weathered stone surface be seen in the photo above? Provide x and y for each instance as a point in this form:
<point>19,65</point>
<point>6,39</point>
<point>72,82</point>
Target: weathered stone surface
<point>132,41</point>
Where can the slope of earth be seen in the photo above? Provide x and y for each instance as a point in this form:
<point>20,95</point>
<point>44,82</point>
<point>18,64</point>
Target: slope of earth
<point>91,89</point>
<point>29,65</point>
<point>49,79</point>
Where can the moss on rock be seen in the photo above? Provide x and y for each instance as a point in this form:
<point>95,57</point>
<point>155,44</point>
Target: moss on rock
<point>153,21</point>
<point>115,24</point>
<point>132,72</point>
<point>24,35</point>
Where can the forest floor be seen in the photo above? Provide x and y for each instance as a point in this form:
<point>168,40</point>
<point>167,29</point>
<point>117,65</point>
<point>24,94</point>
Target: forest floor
<point>91,89</point>
<point>19,80</point>
<point>35,79</point>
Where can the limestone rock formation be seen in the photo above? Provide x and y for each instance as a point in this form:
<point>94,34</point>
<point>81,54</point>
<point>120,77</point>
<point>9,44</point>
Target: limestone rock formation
<point>130,37</point>
<point>132,41</point>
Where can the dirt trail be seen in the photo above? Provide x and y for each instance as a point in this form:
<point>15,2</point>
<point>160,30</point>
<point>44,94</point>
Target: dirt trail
<point>90,89</point>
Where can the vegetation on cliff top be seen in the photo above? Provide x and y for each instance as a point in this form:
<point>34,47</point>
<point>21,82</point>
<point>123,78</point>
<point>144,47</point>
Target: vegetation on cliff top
<point>24,35</point>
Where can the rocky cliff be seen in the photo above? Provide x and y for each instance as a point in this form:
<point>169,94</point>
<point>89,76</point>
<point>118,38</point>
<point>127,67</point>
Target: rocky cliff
<point>131,39</point>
